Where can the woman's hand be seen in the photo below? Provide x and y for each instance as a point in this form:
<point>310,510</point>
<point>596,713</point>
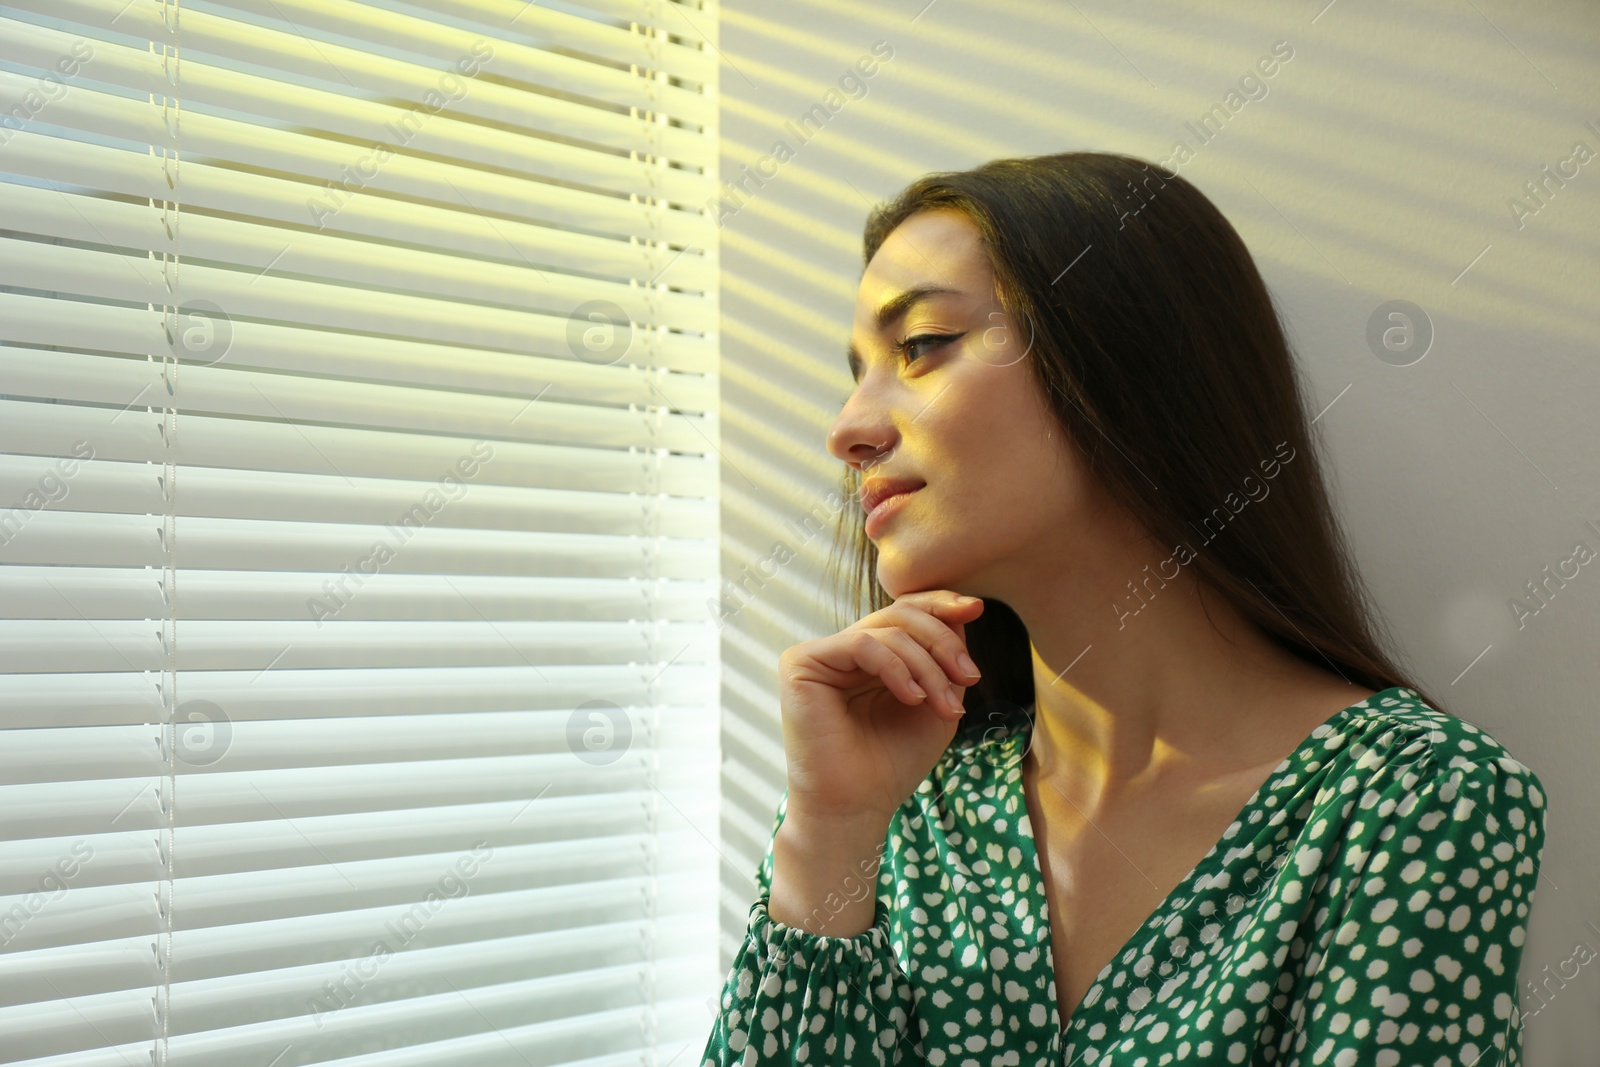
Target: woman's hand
<point>868,711</point>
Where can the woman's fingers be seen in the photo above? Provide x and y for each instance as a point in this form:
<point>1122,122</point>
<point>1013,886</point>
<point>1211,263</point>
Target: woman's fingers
<point>915,648</point>
<point>901,665</point>
<point>870,652</point>
<point>924,670</point>
<point>933,619</point>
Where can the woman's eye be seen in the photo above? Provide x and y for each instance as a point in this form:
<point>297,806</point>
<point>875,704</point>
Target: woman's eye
<point>932,340</point>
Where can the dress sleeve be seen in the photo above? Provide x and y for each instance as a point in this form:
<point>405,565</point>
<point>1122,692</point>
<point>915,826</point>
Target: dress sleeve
<point>793,996</point>
<point>1419,965</point>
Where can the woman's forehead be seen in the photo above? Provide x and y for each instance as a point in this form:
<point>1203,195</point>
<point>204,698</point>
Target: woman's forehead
<point>941,243</point>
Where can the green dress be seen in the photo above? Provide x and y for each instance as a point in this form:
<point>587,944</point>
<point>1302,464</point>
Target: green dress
<point>1366,908</point>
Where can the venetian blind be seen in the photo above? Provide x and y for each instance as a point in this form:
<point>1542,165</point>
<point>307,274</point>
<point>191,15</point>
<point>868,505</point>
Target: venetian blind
<point>358,483</point>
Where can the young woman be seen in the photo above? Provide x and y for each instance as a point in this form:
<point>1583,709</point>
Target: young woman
<point>1152,792</point>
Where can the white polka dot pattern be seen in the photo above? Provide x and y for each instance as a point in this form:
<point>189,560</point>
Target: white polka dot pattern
<point>1368,907</point>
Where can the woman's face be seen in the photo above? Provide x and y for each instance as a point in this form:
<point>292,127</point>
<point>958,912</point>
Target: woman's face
<point>1001,489</point>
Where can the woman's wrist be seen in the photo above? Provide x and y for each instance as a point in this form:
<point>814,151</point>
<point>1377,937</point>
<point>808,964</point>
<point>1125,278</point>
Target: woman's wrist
<point>825,874</point>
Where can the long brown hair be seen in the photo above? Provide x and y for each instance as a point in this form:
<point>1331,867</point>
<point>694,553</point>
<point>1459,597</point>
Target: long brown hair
<point>1161,354</point>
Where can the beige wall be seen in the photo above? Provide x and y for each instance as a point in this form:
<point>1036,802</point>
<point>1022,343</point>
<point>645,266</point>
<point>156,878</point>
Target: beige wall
<point>1380,162</point>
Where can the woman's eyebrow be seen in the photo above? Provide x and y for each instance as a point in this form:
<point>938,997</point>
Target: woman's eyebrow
<point>891,310</point>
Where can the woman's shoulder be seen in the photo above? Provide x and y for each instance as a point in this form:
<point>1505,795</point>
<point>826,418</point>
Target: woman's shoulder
<point>1396,737</point>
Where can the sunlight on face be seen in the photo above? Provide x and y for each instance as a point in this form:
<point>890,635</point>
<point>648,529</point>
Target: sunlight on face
<point>960,412</point>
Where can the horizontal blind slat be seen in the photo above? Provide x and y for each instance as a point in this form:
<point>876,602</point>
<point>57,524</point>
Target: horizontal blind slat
<point>433,203</point>
<point>119,698</point>
<point>31,428</point>
<point>557,29</point>
<point>25,320</point>
<point>322,638</point>
<point>353,262</point>
<point>224,390</point>
<point>70,483</point>
<point>134,279</point>
<point>599,81</point>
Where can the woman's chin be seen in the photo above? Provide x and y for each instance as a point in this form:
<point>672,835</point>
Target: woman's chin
<point>900,575</point>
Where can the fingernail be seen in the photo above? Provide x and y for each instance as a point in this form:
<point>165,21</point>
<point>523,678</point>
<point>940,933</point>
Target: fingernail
<point>917,689</point>
<point>967,665</point>
<point>965,600</point>
<point>955,702</point>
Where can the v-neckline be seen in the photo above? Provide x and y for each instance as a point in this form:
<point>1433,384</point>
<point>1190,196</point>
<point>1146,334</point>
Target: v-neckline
<point>1032,849</point>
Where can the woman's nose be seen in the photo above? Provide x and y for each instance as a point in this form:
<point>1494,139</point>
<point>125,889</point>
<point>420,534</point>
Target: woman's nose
<point>859,437</point>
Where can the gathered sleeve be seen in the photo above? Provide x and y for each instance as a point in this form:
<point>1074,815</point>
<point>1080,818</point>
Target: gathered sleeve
<point>794,996</point>
<point>1419,968</point>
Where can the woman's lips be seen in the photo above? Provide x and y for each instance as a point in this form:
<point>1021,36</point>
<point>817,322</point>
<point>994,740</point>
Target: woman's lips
<point>886,509</point>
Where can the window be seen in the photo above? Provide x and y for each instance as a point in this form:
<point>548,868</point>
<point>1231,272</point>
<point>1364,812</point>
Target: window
<point>358,483</point>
